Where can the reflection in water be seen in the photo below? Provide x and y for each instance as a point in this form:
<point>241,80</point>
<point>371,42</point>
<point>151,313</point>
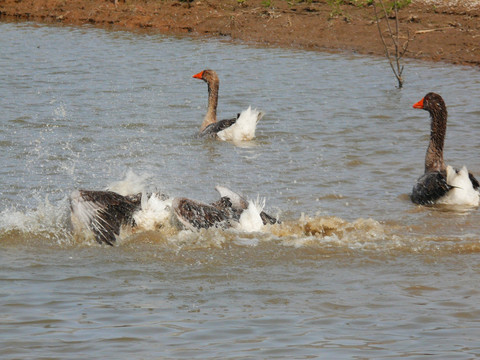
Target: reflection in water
<point>354,269</point>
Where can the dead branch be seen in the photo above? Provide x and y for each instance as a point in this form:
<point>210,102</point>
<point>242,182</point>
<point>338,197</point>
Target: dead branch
<point>399,50</point>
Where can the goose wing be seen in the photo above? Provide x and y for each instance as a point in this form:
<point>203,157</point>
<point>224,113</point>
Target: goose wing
<point>239,203</point>
<point>430,187</point>
<point>103,212</point>
<point>213,129</point>
<point>196,215</point>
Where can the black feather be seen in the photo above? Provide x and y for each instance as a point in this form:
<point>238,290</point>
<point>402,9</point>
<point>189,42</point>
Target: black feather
<point>199,215</point>
<point>474,181</point>
<point>216,127</point>
<point>114,210</point>
<point>430,187</point>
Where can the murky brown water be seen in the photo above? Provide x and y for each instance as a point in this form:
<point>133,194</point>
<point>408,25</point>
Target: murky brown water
<point>354,271</point>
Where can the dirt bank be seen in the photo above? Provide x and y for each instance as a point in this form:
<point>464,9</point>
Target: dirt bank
<point>439,30</point>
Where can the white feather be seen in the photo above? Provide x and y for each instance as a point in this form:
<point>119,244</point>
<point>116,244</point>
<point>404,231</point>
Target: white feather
<point>463,192</point>
<point>244,127</point>
<point>250,219</point>
<point>84,213</point>
<point>154,212</point>
<point>237,201</point>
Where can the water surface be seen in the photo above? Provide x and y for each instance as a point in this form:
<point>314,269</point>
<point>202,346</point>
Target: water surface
<point>355,270</point>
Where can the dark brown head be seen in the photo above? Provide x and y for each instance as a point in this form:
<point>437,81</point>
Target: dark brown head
<point>433,103</point>
<point>209,76</point>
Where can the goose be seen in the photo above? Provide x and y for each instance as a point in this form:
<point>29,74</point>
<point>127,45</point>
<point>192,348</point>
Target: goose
<point>442,184</point>
<point>232,210</point>
<point>107,214</point>
<point>240,128</point>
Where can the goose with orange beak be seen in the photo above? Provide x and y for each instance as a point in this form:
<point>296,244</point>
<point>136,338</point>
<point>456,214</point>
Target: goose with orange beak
<point>240,128</point>
<point>442,184</point>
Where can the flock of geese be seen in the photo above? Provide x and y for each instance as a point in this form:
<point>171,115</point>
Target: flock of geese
<point>106,213</point>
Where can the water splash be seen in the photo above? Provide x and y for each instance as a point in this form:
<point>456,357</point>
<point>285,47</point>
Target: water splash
<point>51,223</point>
<point>48,221</point>
<point>320,235</point>
<point>131,184</point>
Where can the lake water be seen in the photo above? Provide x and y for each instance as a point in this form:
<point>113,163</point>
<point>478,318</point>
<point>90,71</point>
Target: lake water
<point>354,271</point>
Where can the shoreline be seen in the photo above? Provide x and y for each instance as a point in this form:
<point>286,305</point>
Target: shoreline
<point>436,30</point>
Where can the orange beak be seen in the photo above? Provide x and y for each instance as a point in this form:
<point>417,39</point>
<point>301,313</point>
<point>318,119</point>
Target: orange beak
<point>418,105</point>
<point>199,75</point>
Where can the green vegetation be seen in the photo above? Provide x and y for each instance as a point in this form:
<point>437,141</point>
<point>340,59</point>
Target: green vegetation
<point>336,10</point>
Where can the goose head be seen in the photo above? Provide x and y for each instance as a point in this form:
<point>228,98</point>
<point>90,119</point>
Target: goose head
<point>209,76</point>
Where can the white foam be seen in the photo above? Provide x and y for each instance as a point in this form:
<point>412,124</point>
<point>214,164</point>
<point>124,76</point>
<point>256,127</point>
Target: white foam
<point>49,220</point>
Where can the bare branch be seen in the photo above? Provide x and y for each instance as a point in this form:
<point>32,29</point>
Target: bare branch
<point>399,50</point>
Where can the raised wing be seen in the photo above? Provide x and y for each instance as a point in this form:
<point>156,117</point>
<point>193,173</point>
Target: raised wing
<point>103,212</point>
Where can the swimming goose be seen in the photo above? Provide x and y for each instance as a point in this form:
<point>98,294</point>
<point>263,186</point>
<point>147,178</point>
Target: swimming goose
<point>240,128</point>
<point>106,213</point>
<point>232,210</point>
<point>442,184</point>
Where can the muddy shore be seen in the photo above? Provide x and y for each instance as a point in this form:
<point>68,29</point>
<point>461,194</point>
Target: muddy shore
<point>436,30</point>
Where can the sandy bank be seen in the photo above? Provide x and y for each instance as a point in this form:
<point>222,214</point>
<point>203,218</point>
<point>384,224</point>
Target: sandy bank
<point>439,30</point>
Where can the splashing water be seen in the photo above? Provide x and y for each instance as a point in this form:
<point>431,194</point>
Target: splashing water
<point>131,184</point>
